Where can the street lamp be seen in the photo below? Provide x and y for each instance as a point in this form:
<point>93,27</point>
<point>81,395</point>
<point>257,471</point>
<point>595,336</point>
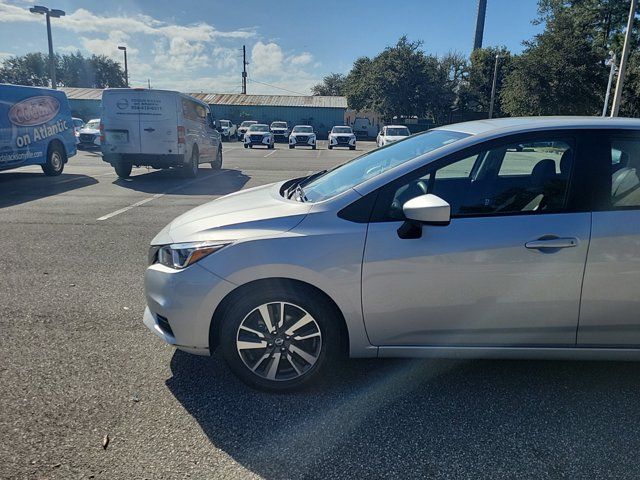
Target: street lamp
<point>493,86</point>
<point>126,70</point>
<point>48,14</point>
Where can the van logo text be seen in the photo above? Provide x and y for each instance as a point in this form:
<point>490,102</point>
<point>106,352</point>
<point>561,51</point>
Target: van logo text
<point>34,111</point>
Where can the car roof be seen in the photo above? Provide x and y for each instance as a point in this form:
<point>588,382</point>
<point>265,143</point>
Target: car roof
<point>296,126</point>
<point>341,126</point>
<point>515,124</point>
<point>259,125</point>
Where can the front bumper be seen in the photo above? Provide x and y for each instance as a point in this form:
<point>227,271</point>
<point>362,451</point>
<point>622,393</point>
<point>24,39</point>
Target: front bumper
<point>186,300</point>
<point>302,142</point>
<point>340,142</point>
<point>254,141</point>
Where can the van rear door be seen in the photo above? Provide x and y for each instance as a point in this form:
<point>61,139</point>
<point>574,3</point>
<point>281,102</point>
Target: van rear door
<point>158,113</point>
<point>120,120</point>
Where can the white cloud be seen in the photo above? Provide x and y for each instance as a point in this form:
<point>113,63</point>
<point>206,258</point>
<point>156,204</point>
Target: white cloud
<point>305,58</point>
<point>266,58</point>
<point>108,46</point>
<point>180,54</point>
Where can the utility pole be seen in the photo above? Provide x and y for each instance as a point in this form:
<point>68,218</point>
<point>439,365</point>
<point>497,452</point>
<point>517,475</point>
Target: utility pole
<point>482,13</point>
<point>612,71</point>
<point>149,83</point>
<point>244,70</point>
<point>615,108</point>
<point>493,87</point>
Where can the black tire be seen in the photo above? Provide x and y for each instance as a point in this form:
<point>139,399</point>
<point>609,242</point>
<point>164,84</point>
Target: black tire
<point>217,163</point>
<point>313,147</point>
<point>292,146</point>
<point>191,170</point>
<point>251,145</point>
<point>123,168</point>
<point>246,146</point>
<point>352,148</point>
<point>329,147</point>
<point>315,305</point>
<point>271,147</point>
<point>56,158</point>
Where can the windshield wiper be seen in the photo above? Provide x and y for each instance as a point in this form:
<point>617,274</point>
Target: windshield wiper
<point>300,192</point>
<point>303,181</point>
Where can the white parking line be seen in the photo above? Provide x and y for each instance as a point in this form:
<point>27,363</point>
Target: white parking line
<point>269,154</point>
<point>153,197</point>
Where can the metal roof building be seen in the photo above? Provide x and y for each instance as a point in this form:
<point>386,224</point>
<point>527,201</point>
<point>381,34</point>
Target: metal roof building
<point>322,112</point>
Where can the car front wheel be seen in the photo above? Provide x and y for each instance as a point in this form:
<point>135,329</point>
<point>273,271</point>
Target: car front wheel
<point>279,338</point>
<point>55,161</point>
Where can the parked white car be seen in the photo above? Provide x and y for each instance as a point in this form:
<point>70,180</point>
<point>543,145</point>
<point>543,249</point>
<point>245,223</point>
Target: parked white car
<point>342,136</point>
<point>302,136</point>
<point>89,135</point>
<point>244,126</point>
<point>259,134</point>
<point>280,131</point>
<point>78,124</point>
<point>159,129</point>
<point>391,133</point>
<point>228,130</point>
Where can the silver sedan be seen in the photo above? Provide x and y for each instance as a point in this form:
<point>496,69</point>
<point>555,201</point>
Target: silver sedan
<point>509,238</point>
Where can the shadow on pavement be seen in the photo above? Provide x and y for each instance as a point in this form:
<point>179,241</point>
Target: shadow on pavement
<point>424,419</point>
<point>22,187</point>
<point>208,182</point>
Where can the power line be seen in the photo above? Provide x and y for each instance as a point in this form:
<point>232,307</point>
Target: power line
<point>279,88</point>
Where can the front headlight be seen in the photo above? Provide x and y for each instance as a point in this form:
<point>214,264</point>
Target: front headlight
<point>181,255</point>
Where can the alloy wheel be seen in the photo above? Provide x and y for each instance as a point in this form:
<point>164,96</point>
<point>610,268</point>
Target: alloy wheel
<point>279,341</point>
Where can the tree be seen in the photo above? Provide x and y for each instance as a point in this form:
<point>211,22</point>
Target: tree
<point>72,70</point>
<point>332,84</point>
<point>562,70</point>
<point>475,91</point>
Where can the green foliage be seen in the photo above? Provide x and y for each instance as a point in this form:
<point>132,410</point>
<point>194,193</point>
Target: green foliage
<point>332,84</point>
<point>72,70</point>
<point>404,81</point>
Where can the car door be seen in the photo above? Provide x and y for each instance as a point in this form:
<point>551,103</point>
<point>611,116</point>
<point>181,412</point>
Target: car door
<point>610,311</point>
<point>506,271</point>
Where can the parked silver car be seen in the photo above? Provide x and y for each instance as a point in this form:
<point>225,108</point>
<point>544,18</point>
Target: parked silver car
<point>512,238</point>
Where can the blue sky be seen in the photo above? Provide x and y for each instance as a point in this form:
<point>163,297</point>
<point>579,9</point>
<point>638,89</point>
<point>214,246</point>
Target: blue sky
<point>195,46</point>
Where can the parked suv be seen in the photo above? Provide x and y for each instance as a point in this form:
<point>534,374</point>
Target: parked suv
<point>244,126</point>
<point>159,129</point>
<point>342,136</point>
<point>227,130</point>
<point>280,131</point>
<point>302,136</point>
<point>259,134</point>
<point>89,134</point>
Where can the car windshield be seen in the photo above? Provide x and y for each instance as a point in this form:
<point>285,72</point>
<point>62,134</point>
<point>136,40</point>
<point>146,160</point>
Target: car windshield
<point>376,162</point>
<point>225,123</point>
<point>258,128</point>
<point>398,132</point>
<point>303,130</point>
<point>95,124</point>
<point>279,125</point>
<point>341,130</point>
<point>247,123</point>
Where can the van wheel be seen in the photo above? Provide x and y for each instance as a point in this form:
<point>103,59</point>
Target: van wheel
<point>191,170</point>
<point>123,168</point>
<point>217,163</point>
<point>55,160</point>
<point>279,338</point>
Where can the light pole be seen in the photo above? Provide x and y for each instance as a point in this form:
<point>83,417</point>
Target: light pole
<point>612,71</point>
<point>617,98</point>
<point>48,14</point>
<point>493,87</point>
<point>126,70</point>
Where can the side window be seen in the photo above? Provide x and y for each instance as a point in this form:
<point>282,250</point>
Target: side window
<point>524,178</point>
<point>625,171</point>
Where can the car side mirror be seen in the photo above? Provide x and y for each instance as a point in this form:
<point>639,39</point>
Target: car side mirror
<point>424,210</point>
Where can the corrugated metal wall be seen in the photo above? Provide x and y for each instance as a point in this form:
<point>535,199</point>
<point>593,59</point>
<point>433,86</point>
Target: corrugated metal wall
<point>322,119</point>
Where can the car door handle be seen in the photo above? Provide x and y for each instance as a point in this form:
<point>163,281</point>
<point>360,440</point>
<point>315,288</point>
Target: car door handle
<point>552,242</point>
<point>149,129</point>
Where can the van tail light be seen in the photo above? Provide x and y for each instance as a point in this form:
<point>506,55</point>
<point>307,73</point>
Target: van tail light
<point>181,135</point>
<point>101,132</point>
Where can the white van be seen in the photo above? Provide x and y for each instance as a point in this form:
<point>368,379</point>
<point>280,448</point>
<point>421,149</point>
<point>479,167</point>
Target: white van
<point>158,129</point>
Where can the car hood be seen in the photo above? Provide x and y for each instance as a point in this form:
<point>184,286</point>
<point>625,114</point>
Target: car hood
<point>394,138</point>
<point>93,131</point>
<point>252,213</point>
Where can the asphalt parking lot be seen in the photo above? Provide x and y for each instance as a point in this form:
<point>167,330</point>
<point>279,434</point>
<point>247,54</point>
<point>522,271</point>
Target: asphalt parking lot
<point>76,364</point>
